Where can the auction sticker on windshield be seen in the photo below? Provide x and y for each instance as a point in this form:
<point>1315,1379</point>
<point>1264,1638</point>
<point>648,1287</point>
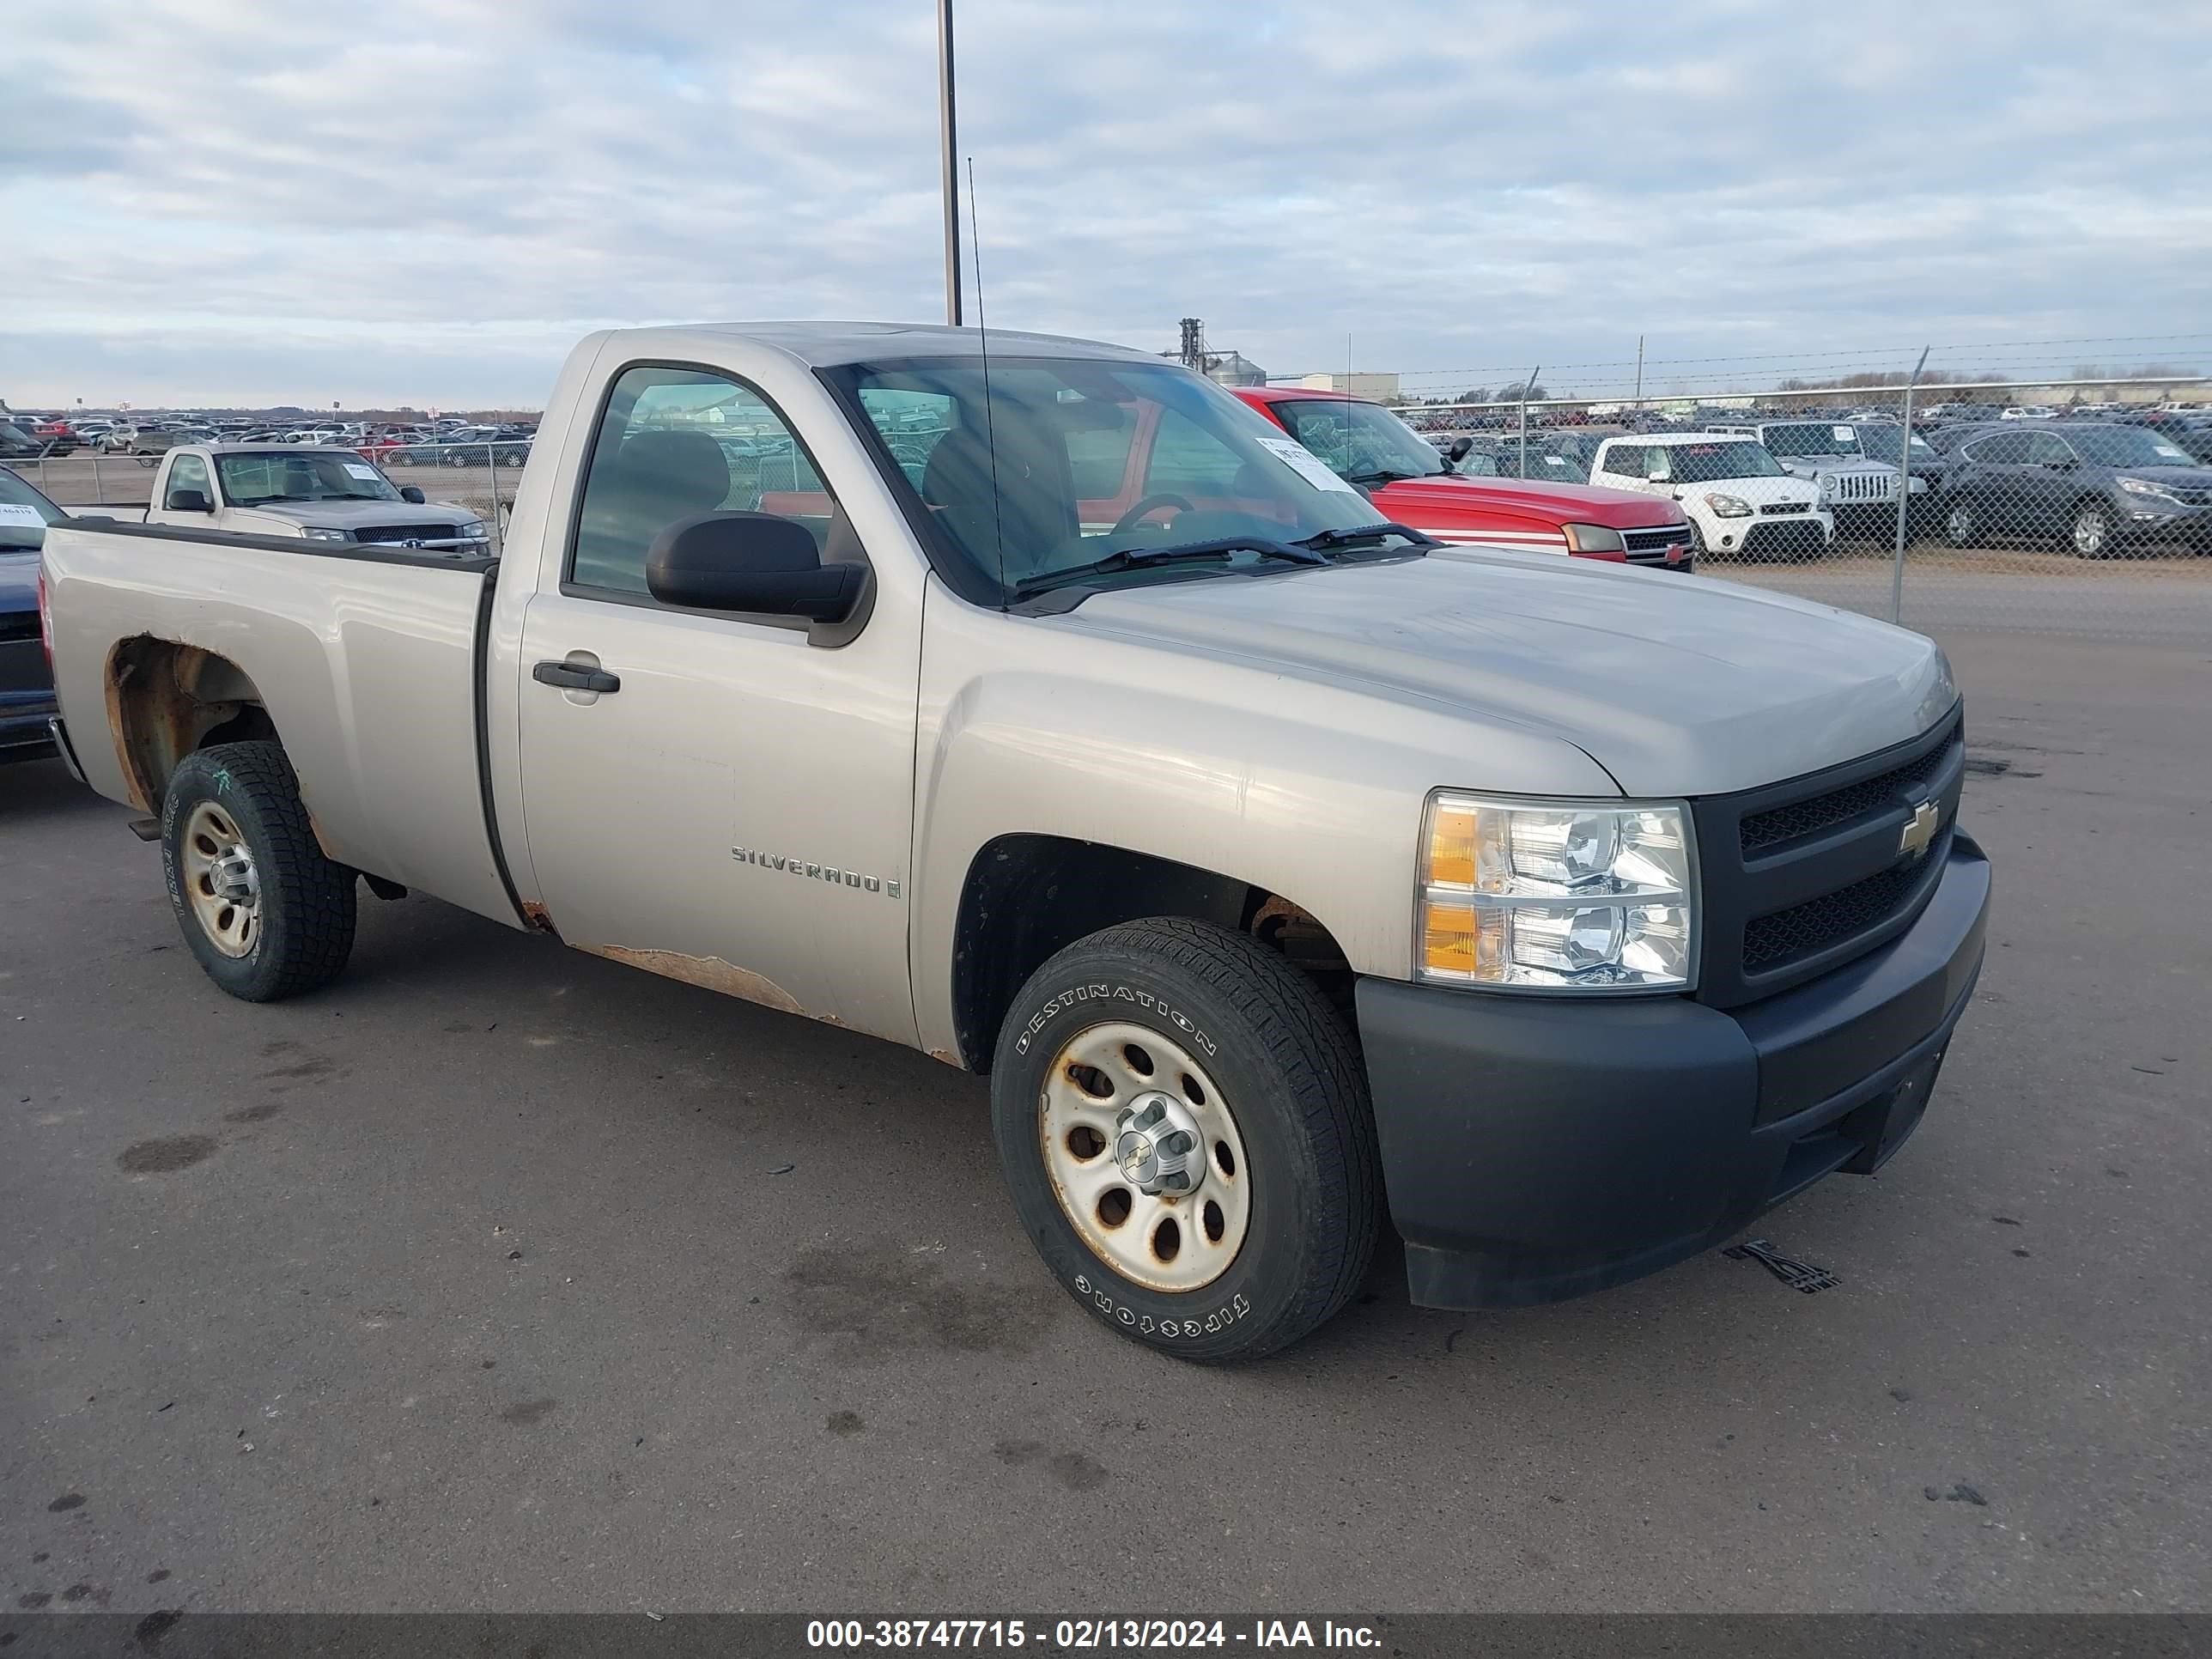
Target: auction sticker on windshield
<point>361,470</point>
<point>1309,465</point>
<point>11,512</point>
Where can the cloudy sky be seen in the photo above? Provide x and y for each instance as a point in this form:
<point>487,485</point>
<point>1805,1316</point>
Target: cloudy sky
<point>427,200</point>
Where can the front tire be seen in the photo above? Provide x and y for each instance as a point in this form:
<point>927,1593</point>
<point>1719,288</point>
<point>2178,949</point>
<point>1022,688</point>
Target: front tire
<point>1185,1128</point>
<point>266,914</point>
<point>2091,537</point>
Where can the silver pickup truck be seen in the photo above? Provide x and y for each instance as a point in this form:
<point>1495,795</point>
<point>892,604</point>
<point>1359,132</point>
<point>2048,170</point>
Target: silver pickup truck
<point>319,493</point>
<point>1286,872</point>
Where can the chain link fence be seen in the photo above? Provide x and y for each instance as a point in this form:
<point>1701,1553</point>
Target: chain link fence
<point>2067,499</point>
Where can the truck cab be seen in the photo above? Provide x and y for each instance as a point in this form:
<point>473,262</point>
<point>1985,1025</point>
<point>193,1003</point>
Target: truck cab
<point>309,491</point>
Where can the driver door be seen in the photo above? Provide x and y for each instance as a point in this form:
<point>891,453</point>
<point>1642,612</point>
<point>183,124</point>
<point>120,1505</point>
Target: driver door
<point>718,797</point>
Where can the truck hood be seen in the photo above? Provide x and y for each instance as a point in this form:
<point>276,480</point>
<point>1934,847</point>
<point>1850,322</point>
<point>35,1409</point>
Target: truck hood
<point>344,515</point>
<point>1676,685</point>
<point>1434,500</point>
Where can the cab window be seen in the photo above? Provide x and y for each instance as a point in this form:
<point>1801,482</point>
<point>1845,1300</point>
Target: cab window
<point>677,443</point>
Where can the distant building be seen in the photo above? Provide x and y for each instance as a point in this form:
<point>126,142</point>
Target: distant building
<point>1378,387</point>
<point>1234,368</point>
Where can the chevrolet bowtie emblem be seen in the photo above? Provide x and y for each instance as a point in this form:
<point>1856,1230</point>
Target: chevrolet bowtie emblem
<point>1919,831</point>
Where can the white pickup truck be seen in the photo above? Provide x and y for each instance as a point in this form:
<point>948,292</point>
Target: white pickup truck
<point>1048,712</point>
<point>319,494</point>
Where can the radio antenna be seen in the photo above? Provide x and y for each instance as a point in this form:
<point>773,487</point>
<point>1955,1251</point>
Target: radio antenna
<point>990,425</point>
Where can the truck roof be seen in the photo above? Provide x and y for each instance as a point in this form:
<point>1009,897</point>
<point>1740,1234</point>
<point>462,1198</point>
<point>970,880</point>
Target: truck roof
<point>831,344</point>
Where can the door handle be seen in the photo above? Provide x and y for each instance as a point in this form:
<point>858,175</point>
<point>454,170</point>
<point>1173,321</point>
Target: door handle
<point>575,677</point>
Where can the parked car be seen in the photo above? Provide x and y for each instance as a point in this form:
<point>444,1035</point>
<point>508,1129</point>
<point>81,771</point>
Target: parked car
<point>1860,491</point>
<point>1552,457</point>
<point>16,443</point>
<point>1284,872</point>
<point>1368,446</point>
<point>27,686</point>
<point>152,440</point>
<point>58,436</point>
<point>2098,489</point>
<point>320,494</point>
<point>2026,412</point>
<point>1740,500</point>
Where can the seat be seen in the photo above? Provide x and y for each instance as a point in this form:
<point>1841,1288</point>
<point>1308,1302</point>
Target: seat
<point>1011,527</point>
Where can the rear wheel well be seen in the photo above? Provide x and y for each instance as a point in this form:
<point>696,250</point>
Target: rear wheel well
<point>1028,897</point>
<point>165,700</point>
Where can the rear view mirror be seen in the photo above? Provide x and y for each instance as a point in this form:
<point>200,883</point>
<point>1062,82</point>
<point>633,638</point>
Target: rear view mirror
<point>753,561</point>
<point>411,494</point>
<point>190,501</point>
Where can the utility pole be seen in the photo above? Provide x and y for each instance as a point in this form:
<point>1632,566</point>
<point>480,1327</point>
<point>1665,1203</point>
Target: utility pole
<point>949,145</point>
<point>1639,371</point>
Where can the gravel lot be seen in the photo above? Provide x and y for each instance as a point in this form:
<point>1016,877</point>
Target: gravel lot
<point>497,1276</point>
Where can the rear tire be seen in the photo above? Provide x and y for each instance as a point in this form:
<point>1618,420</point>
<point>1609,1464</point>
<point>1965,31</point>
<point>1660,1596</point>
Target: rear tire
<point>1276,1230</point>
<point>266,914</point>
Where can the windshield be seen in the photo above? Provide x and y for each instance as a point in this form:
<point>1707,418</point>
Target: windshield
<point>301,475</point>
<point>1363,442</point>
<point>24,514</point>
<point>1811,438</point>
<point>1073,459</point>
<point>2126,446</point>
<point>1879,439</point>
<point>1712,463</point>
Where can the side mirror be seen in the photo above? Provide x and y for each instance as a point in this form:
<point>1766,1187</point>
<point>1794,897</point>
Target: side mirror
<point>190,501</point>
<point>412,494</point>
<point>1458,452</point>
<point>753,561</point>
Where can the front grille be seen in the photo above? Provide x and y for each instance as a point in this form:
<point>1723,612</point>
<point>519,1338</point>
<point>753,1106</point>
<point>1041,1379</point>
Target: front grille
<point>1650,546</point>
<point>2193,497</point>
<point>1773,507</point>
<point>1805,930</point>
<point>1762,830</point>
<point>407,533</point>
<point>1801,877</point>
<point>1857,487</point>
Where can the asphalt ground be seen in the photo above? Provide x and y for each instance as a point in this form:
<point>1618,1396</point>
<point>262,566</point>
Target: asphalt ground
<point>496,1276</point>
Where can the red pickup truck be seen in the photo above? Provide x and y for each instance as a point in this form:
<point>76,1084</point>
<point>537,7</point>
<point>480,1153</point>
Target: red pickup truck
<point>1364,444</point>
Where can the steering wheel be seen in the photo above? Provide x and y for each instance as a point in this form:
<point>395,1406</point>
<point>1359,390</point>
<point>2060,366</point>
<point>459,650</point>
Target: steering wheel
<point>1135,515</point>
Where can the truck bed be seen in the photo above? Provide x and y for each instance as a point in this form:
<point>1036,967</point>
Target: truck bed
<point>372,654</point>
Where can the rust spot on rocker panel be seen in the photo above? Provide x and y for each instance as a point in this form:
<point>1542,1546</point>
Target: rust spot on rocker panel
<point>711,973</point>
<point>948,1057</point>
<point>535,916</point>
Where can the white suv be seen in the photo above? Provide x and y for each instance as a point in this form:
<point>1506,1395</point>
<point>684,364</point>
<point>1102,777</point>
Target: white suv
<point>1741,501</point>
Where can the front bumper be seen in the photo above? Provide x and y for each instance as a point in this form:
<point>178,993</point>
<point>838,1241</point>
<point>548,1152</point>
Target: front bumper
<point>1534,1148</point>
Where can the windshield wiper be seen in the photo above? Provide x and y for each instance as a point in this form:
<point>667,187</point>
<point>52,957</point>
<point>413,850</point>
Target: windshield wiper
<point>264,501</point>
<point>1142,558</point>
<point>1384,475</point>
<point>1368,532</point>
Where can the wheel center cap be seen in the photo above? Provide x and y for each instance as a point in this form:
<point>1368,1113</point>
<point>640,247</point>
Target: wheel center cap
<point>1157,1145</point>
<point>233,876</point>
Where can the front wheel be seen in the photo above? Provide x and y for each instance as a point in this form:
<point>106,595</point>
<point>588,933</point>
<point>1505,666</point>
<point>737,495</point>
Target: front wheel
<point>266,914</point>
<point>1186,1131</point>
<point>2092,534</point>
<point>1960,523</point>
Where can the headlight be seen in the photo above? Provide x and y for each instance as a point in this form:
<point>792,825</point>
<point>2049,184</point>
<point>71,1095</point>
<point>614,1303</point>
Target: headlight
<point>1556,896</point>
<point>1730,506</point>
<point>2145,487</point>
<point>313,534</point>
<point>1593,538</point>
<point>1828,485</point>
<point>473,531</point>
<point>1917,486</point>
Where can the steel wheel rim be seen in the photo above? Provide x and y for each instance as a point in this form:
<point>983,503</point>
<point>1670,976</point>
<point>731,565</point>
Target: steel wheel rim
<point>221,882</point>
<point>2089,532</point>
<point>1961,525</point>
<point>1168,1242</point>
